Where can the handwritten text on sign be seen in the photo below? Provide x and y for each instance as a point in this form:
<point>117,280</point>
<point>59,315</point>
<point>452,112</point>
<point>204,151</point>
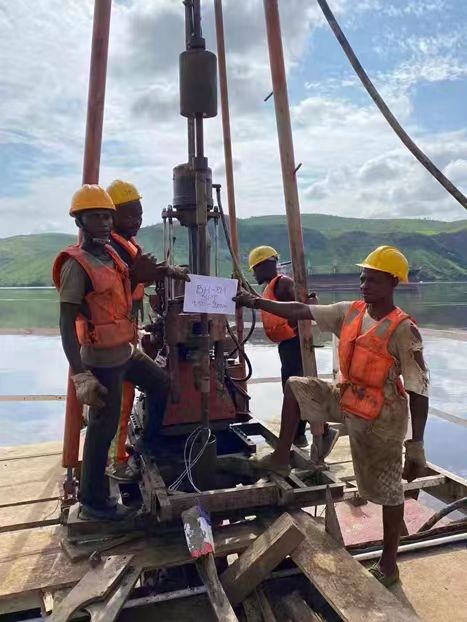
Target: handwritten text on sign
<point>210,294</point>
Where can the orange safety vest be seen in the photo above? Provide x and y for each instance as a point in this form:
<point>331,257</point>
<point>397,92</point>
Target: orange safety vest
<point>133,249</point>
<point>109,301</point>
<point>365,361</point>
<point>276,328</point>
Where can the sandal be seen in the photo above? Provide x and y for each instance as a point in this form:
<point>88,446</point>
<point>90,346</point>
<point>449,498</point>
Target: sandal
<point>267,464</point>
<point>384,579</point>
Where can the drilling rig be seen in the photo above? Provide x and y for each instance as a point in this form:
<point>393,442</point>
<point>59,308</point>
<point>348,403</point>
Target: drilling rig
<point>201,352</point>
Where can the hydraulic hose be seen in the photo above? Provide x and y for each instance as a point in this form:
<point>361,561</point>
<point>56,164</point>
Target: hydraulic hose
<point>241,351</point>
<point>237,268</point>
<point>455,505</point>
<point>384,109</point>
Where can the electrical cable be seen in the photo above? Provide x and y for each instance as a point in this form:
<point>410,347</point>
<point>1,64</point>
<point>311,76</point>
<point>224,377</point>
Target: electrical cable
<point>384,109</point>
<point>188,459</point>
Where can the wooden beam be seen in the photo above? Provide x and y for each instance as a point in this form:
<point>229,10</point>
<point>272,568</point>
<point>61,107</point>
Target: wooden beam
<point>32,560</point>
<point>298,610</point>
<point>345,584</point>
<point>331,521</point>
<point>261,557</point>
<point>222,608</point>
<point>108,610</point>
<point>95,585</point>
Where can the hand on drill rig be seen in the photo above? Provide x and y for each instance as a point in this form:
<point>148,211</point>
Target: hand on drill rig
<point>145,269</point>
<point>246,299</point>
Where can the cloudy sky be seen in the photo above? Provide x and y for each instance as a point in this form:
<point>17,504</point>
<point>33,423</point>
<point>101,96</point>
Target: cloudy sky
<point>353,165</point>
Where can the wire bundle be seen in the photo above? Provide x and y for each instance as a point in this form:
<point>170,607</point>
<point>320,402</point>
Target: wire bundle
<point>188,458</point>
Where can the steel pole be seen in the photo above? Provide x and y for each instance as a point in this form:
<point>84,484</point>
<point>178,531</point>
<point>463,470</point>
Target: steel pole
<point>229,175</point>
<point>91,163</point>
<point>96,92</point>
<point>292,205</point>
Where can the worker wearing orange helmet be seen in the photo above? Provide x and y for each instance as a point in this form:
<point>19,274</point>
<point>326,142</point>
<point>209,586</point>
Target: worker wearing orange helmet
<point>98,333</point>
<point>263,262</point>
<point>379,345</point>
<point>127,223</point>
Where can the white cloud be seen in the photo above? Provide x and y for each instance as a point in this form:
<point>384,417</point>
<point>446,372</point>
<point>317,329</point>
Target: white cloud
<point>352,163</point>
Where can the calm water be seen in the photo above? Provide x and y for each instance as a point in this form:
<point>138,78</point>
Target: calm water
<point>442,305</point>
<point>34,364</point>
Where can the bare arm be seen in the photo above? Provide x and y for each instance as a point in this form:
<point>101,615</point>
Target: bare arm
<point>71,347</point>
<point>285,292</point>
<point>292,311</point>
<point>419,413</point>
<point>289,310</point>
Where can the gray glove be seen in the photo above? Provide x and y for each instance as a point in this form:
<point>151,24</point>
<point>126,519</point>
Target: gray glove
<point>178,273</point>
<point>246,299</point>
<point>415,462</point>
<point>89,390</point>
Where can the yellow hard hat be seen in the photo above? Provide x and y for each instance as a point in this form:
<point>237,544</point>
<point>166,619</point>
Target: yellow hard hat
<point>388,259</point>
<point>90,196</point>
<point>259,254</point>
<point>123,192</point>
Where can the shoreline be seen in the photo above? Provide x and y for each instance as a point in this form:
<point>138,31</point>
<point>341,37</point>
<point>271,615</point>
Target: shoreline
<point>447,333</point>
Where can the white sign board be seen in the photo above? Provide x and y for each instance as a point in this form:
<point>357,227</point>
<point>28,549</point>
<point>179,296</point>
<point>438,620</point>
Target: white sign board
<point>210,294</point>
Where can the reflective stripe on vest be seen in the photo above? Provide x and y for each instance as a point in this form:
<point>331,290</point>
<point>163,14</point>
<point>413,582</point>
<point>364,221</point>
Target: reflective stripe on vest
<point>365,361</point>
<point>133,249</point>
<point>109,302</point>
<point>276,328</point>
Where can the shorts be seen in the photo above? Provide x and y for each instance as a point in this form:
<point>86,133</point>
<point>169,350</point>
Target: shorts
<point>376,445</point>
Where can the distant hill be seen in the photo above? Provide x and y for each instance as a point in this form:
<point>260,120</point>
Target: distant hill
<point>331,242</point>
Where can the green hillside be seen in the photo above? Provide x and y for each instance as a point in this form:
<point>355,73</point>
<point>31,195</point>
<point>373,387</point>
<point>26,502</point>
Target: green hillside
<point>331,242</point>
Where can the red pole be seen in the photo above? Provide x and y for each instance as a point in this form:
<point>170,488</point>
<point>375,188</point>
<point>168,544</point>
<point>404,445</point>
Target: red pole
<point>91,163</point>
<point>96,93</point>
<point>224,91</point>
<point>292,204</point>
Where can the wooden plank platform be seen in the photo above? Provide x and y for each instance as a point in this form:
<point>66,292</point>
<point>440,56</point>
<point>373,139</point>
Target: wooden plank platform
<point>434,583</point>
<point>31,558</point>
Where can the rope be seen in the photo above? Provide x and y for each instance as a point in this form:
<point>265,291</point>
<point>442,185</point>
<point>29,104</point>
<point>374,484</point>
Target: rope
<point>387,114</point>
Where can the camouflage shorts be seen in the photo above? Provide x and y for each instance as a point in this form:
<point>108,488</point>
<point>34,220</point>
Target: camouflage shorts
<point>376,445</point>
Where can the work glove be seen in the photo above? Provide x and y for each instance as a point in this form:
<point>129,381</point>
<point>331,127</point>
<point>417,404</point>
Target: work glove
<point>89,390</point>
<point>246,299</point>
<point>178,273</point>
<point>415,463</point>
<point>145,269</point>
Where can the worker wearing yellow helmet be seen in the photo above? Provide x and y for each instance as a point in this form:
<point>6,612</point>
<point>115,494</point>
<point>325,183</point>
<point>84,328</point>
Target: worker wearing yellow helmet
<point>127,223</point>
<point>379,346</point>
<point>95,287</point>
<point>263,261</point>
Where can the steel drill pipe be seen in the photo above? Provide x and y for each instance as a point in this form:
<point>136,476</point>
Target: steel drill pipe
<point>96,93</point>
<point>91,164</point>
<point>229,174</point>
<point>292,204</point>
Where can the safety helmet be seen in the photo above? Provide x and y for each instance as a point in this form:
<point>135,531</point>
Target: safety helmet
<point>90,196</point>
<point>123,192</point>
<point>259,254</point>
<point>388,259</point>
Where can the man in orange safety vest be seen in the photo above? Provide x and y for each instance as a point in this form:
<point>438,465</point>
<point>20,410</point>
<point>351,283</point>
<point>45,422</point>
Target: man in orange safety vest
<point>263,262</point>
<point>127,223</point>
<point>379,345</point>
<point>98,334</point>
